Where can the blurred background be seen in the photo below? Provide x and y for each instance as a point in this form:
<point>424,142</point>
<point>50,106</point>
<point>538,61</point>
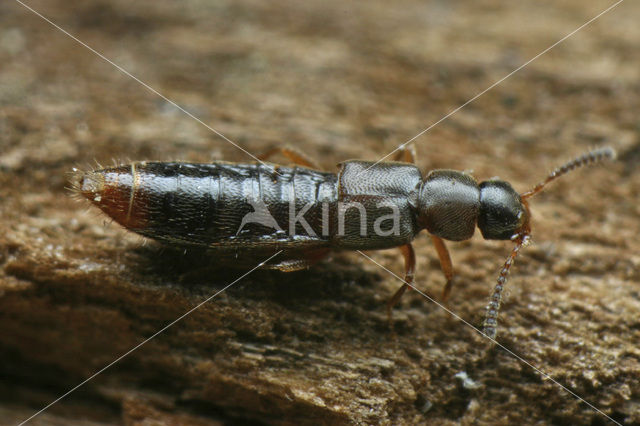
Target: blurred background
<point>337,80</point>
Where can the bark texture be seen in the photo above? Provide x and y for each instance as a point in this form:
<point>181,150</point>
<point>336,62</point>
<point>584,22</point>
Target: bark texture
<point>337,80</point>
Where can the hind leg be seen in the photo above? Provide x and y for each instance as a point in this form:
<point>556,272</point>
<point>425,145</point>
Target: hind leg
<point>302,260</point>
<point>295,156</point>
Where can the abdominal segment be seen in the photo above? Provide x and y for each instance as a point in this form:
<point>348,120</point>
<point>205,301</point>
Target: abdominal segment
<point>115,191</point>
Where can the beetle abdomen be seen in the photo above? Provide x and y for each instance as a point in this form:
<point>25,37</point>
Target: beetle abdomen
<point>217,204</point>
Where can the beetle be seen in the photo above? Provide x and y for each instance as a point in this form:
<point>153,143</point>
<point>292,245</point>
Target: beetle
<point>246,210</point>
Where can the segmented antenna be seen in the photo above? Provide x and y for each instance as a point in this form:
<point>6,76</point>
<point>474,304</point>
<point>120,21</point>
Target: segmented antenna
<point>490,324</point>
<point>585,159</point>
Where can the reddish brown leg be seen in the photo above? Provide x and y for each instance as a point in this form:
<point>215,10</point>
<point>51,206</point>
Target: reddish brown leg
<point>292,154</point>
<point>409,270</point>
<point>406,153</point>
<point>445,265</point>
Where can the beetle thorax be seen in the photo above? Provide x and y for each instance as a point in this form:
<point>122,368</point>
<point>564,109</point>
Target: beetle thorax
<point>448,204</point>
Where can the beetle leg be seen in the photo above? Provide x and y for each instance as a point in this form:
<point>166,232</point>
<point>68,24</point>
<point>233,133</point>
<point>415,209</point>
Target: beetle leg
<point>295,156</point>
<point>300,261</point>
<point>409,270</point>
<point>445,265</point>
<point>406,153</point>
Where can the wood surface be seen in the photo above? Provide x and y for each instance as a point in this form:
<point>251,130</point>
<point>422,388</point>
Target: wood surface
<point>337,80</point>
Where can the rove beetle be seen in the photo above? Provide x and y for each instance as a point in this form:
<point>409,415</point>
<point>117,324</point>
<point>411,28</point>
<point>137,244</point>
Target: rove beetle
<point>249,210</point>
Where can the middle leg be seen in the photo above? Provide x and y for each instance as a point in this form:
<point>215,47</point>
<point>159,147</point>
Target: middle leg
<point>406,153</point>
<point>409,272</point>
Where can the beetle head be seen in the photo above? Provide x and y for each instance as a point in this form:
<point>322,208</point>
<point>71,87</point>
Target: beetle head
<point>503,213</point>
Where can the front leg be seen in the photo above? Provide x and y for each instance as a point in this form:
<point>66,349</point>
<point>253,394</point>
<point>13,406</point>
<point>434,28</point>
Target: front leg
<point>445,265</point>
<point>409,272</point>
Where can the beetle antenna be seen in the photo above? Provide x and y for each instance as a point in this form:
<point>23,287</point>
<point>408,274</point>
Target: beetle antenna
<point>586,159</point>
<point>490,324</point>
<point>522,238</point>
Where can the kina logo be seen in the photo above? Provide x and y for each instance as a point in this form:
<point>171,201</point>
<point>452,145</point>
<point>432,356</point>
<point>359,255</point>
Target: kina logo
<point>260,215</point>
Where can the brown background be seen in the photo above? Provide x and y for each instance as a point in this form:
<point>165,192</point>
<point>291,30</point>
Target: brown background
<point>340,80</point>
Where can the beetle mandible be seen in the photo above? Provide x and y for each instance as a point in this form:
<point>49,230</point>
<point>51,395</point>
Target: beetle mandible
<point>253,209</point>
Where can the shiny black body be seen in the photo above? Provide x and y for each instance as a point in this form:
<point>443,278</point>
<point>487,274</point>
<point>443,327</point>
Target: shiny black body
<point>247,212</point>
<point>253,209</point>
